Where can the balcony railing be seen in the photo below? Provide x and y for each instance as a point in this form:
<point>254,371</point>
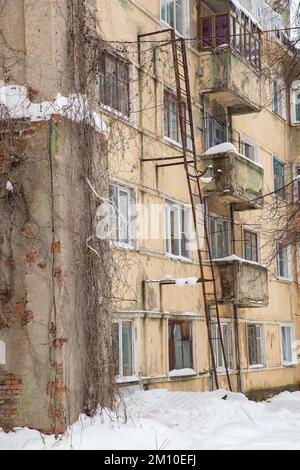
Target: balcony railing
<point>223,30</point>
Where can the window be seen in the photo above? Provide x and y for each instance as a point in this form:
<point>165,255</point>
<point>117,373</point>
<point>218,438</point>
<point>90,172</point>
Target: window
<point>256,345</point>
<point>177,230</point>
<point>297,106</point>
<point>120,212</point>
<point>216,131</point>
<point>180,345</point>
<point>249,149</point>
<point>296,176</point>
<point>227,341</point>
<point>250,246</point>
<point>283,259</point>
<point>278,100</point>
<point>288,337</point>
<point>123,348</point>
<point>171,117</point>
<point>173,12</point>
<point>219,237</point>
<point>172,128</point>
<point>114,83</point>
<point>279,177</point>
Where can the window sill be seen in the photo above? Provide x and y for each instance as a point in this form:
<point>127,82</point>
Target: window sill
<point>168,140</point>
<point>115,113</point>
<point>178,258</point>
<point>182,373</point>
<point>166,25</point>
<point>257,366</point>
<point>129,379</point>
<point>282,118</point>
<point>284,279</point>
<point>122,246</point>
<point>289,365</point>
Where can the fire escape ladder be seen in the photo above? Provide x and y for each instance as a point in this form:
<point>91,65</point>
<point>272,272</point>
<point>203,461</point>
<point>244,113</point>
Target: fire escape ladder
<point>189,155</point>
<point>207,273</point>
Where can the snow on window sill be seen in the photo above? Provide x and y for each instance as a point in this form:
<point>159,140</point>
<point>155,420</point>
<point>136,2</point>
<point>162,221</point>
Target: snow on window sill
<point>128,379</point>
<point>289,364</point>
<point>257,366</point>
<point>115,113</point>
<point>123,246</point>
<point>173,374</point>
<point>173,142</point>
<point>284,279</point>
<point>178,258</point>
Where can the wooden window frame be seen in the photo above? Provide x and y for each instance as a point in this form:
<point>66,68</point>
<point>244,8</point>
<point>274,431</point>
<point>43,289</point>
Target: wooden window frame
<point>252,234</point>
<point>279,186</point>
<point>105,56</point>
<point>172,323</point>
<point>259,364</point>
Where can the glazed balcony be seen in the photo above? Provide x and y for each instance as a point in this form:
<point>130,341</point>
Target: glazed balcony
<point>235,179</point>
<point>241,282</point>
<point>230,63</point>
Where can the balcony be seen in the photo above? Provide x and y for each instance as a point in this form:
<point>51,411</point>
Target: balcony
<point>241,282</point>
<point>235,179</point>
<point>230,63</point>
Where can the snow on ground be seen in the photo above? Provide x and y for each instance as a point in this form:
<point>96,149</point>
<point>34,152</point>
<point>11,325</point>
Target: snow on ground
<point>162,420</point>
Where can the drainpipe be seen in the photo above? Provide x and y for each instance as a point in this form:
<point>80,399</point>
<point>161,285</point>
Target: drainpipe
<point>236,310</point>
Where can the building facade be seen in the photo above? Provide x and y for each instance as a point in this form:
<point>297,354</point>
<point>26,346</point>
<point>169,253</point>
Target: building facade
<point>245,131</point>
<point>161,336</point>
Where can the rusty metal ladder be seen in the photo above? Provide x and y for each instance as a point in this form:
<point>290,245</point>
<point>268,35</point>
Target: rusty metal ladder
<point>193,176</point>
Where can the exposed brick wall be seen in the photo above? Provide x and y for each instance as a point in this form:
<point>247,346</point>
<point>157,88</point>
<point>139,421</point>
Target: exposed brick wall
<point>11,387</point>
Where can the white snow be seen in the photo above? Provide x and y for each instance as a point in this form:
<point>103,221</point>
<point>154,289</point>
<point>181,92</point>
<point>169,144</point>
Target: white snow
<point>74,107</point>
<point>229,259</point>
<point>206,180</point>
<point>182,373</point>
<point>9,187</point>
<point>162,420</point>
<point>242,9</point>
<point>191,281</point>
<point>226,147</point>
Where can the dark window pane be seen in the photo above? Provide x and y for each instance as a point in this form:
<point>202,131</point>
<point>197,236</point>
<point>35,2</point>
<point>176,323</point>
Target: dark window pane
<point>127,348</point>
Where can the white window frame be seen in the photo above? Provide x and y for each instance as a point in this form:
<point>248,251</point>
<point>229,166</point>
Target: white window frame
<point>211,125</point>
<point>185,20</point>
<point>169,206</point>
<point>294,92</point>
<point>289,277</point>
<point>261,365</point>
<point>218,348</point>
<point>282,102</point>
<point>131,199</point>
<point>121,368</point>
<point>292,328</point>
<point>244,140</point>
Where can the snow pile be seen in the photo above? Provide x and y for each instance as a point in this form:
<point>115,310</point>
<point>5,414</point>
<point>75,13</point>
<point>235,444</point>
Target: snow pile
<point>74,107</point>
<point>226,147</point>
<point>162,420</point>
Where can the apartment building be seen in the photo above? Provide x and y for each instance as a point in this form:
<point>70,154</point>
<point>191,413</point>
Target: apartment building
<point>161,335</point>
<point>116,166</point>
